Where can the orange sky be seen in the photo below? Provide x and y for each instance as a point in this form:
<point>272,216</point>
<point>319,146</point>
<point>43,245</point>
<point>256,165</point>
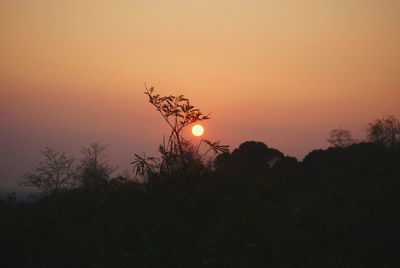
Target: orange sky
<point>282,72</point>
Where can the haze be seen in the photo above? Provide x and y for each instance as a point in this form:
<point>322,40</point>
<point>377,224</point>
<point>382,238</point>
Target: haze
<point>281,72</point>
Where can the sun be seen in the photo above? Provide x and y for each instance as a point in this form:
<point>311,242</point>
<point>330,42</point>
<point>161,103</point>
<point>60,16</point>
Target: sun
<point>197,130</point>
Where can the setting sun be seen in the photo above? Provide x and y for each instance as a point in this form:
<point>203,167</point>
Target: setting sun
<point>197,130</point>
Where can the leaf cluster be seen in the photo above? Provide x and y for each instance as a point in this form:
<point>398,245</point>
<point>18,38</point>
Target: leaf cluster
<point>178,107</point>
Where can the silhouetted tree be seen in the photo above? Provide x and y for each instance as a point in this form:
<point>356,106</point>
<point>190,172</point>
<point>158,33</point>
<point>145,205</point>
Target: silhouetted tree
<point>253,158</point>
<point>385,131</point>
<point>94,168</point>
<point>56,172</point>
<point>177,154</point>
<point>360,158</point>
<point>344,213</point>
<point>221,162</point>
<point>286,168</point>
<point>340,137</point>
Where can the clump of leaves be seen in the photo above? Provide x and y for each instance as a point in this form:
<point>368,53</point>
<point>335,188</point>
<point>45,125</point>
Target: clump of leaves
<point>177,154</point>
<point>216,147</point>
<point>144,165</point>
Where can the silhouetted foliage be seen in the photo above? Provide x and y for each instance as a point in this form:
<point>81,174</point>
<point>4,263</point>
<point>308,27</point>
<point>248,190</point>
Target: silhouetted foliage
<point>221,162</point>
<point>338,207</point>
<point>385,131</point>
<point>56,172</point>
<point>94,169</point>
<point>178,156</point>
<point>340,137</point>
<point>286,168</point>
<point>250,159</point>
<point>259,208</point>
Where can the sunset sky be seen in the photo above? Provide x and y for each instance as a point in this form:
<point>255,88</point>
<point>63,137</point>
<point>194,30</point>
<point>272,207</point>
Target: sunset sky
<point>282,72</point>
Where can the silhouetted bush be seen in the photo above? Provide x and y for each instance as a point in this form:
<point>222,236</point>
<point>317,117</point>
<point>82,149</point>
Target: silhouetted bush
<point>251,159</point>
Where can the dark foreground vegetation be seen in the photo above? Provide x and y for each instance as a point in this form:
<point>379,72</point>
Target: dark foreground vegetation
<point>338,208</point>
<point>254,207</point>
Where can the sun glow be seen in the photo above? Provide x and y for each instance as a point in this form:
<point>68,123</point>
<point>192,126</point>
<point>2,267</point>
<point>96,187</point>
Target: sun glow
<point>197,130</point>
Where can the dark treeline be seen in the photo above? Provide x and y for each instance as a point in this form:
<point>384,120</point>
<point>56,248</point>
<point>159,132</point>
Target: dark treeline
<point>337,208</point>
<point>253,207</point>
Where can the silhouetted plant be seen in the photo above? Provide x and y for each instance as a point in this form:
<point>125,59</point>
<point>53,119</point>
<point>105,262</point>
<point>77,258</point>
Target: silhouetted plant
<point>56,172</point>
<point>385,131</point>
<point>94,168</point>
<point>221,162</point>
<point>177,154</point>
<point>312,215</point>
<point>144,165</point>
<point>340,137</point>
<point>252,159</point>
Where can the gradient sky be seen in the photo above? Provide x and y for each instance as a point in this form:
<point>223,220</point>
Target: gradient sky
<point>281,72</point>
